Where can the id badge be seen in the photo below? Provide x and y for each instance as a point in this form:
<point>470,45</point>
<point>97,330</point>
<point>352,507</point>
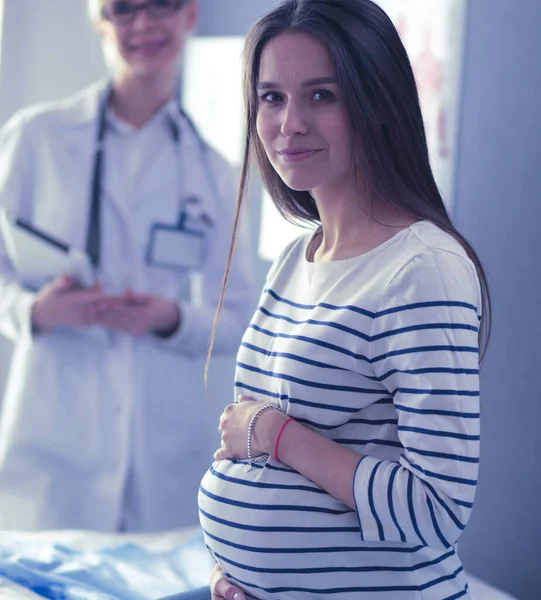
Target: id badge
<point>176,248</point>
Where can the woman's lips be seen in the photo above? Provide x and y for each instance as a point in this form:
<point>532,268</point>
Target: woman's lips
<point>293,155</point>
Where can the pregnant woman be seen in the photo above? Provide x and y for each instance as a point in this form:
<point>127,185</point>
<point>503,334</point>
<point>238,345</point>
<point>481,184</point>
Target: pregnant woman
<point>349,461</point>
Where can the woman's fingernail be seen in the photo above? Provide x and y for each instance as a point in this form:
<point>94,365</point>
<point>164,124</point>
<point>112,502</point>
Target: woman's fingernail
<point>237,596</point>
<point>239,399</point>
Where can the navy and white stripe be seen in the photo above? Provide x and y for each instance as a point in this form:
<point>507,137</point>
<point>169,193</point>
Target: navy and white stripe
<point>378,353</point>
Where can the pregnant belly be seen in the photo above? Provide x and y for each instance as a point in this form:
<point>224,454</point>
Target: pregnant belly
<point>275,534</point>
<point>260,523</point>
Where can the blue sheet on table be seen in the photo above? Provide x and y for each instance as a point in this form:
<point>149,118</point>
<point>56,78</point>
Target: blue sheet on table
<point>126,572</point>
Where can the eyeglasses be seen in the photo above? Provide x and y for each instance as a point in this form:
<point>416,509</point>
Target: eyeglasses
<point>122,12</point>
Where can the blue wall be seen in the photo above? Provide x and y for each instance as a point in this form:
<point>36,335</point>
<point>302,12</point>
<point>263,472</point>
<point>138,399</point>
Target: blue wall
<point>231,17</point>
<point>498,207</point>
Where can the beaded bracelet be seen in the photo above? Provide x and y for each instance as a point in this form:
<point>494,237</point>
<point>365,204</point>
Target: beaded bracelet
<point>263,457</point>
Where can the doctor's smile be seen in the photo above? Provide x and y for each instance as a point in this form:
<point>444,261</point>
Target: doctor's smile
<point>148,48</point>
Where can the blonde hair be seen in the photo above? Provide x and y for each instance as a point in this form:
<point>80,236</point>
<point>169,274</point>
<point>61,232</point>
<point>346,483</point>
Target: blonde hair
<point>93,8</point>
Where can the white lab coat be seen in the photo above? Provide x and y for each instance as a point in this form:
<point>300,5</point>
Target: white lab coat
<point>100,430</point>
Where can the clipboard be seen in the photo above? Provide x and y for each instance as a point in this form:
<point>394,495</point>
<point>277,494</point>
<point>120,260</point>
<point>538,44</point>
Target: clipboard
<point>38,257</point>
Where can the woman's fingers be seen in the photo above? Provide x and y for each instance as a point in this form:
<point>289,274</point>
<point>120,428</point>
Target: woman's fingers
<point>223,588</point>
<point>220,454</point>
<point>242,398</point>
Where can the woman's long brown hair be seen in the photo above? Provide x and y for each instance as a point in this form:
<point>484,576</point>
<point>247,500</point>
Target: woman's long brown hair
<point>380,95</point>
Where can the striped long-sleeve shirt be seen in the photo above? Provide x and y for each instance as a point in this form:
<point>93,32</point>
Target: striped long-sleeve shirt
<point>380,354</point>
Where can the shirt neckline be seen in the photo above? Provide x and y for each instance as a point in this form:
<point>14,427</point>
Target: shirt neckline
<point>359,258</point>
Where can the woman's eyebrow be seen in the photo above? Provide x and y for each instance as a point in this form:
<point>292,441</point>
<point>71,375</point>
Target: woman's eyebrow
<point>266,85</point>
<point>319,81</point>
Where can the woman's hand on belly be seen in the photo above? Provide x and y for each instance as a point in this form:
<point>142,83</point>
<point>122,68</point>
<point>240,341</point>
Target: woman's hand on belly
<point>234,424</point>
<point>328,464</point>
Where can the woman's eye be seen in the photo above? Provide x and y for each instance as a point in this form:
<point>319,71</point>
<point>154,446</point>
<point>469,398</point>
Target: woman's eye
<point>322,95</point>
<point>270,97</point>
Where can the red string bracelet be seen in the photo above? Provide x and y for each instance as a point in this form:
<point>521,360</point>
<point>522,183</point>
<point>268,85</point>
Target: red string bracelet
<point>279,436</point>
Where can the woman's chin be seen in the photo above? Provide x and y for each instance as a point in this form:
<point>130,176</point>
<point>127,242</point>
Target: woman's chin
<point>299,183</point>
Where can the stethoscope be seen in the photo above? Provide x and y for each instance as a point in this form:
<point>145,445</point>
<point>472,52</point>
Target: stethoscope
<point>93,245</point>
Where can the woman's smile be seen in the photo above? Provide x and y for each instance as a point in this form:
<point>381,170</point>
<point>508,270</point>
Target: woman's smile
<point>296,155</point>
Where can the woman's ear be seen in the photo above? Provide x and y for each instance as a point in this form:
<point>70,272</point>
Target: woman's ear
<point>191,11</point>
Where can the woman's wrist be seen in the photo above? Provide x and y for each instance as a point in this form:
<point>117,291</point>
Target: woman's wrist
<point>266,430</point>
<point>276,453</point>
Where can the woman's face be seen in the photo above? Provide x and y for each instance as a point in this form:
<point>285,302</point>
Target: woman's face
<point>147,45</point>
<point>301,121</point>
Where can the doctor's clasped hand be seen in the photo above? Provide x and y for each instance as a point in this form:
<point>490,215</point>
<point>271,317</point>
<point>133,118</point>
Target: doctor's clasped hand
<point>60,304</point>
<point>135,314</point>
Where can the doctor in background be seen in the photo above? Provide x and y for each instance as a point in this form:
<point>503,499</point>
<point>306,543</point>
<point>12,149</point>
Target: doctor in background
<point>104,423</point>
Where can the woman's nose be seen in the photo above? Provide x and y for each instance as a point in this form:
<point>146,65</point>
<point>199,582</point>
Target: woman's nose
<point>294,120</point>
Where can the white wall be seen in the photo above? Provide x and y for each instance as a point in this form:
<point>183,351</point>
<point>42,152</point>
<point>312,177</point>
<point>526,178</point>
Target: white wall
<point>46,54</point>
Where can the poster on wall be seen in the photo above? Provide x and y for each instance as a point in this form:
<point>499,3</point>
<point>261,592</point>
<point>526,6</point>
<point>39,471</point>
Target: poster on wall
<point>432,33</point>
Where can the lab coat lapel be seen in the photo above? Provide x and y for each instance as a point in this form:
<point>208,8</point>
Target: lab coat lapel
<point>76,187</point>
<point>196,171</point>
<point>77,139</point>
<point>80,145</point>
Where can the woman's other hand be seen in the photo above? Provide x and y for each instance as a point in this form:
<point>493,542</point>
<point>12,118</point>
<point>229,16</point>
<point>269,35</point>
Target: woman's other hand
<point>222,589</point>
<point>234,424</point>
<point>60,304</point>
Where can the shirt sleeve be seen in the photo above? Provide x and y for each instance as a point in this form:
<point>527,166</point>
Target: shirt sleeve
<point>15,302</point>
<point>193,337</point>
<point>424,349</point>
